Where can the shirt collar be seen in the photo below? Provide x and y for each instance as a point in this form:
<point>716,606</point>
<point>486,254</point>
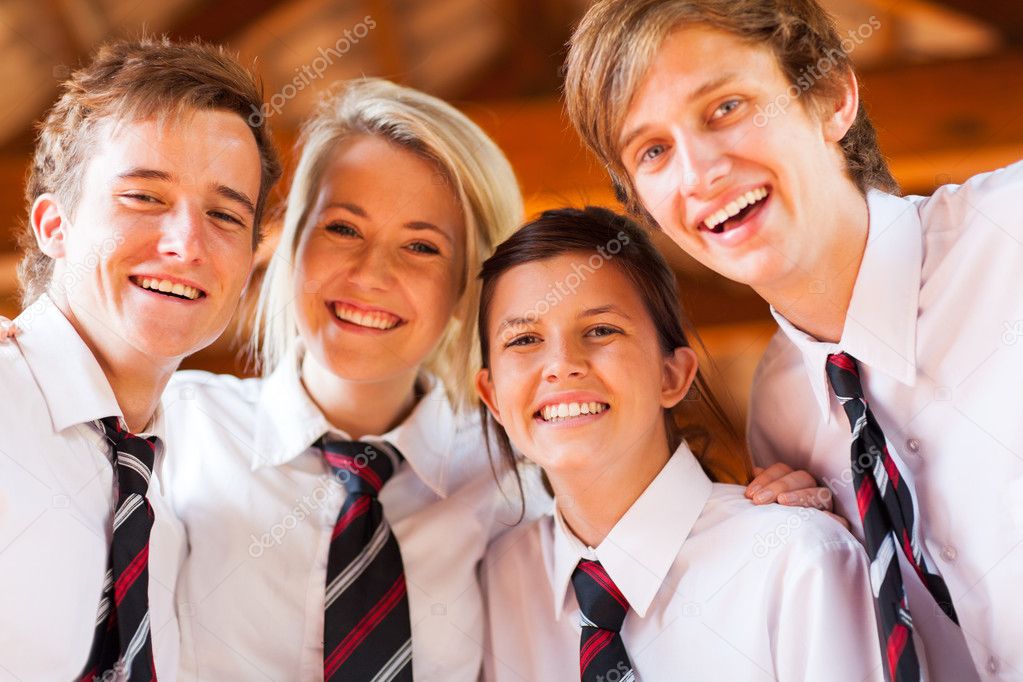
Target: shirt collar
<point>644,544</point>
<point>288,422</point>
<point>69,377</point>
<point>880,326</point>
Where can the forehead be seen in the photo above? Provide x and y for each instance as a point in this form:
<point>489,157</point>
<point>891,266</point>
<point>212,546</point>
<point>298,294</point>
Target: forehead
<point>198,146</point>
<point>389,182</point>
<point>559,288</point>
<point>695,60</point>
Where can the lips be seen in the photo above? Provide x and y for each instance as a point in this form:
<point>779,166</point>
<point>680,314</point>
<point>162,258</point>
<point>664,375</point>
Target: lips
<point>169,288</point>
<point>558,412</point>
<point>736,211</point>
<point>370,318</point>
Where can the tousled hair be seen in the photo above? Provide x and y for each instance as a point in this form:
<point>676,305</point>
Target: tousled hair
<point>132,80</point>
<point>617,40</point>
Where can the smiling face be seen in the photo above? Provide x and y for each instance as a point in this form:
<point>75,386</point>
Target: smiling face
<point>741,186</point>
<point>156,254</point>
<point>378,268</point>
<point>583,387</point>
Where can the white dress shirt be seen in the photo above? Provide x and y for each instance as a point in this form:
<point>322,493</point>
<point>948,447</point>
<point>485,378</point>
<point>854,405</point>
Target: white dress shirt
<point>719,589</point>
<point>936,323</point>
<point>56,505</point>
<point>260,508</point>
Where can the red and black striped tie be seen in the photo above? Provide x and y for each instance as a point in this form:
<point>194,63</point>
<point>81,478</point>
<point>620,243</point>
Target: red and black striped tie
<point>603,607</point>
<point>122,646</point>
<point>886,509</point>
<point>367,633</point>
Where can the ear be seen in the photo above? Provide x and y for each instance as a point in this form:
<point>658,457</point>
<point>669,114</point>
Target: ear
<point>49,225</point>
<point>840,114</point>
<point>485,388</point>
<point>678,375</point>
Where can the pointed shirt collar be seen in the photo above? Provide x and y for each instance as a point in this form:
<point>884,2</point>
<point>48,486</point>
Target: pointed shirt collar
<point>73,385</point>
<point>288,422</point>
<point>641,548</point>
<point>880,326</point>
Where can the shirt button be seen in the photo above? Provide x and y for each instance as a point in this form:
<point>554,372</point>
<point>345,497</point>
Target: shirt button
<point>949,553</point>
<point>993,665</point>
<point>913,445</point>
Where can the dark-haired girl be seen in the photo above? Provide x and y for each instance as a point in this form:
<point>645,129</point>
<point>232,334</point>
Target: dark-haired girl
<point>645,568</point>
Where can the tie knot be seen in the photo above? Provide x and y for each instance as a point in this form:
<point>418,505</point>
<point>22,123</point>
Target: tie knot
<point>601,602</point>
<point>844,375</point>
<point>362,468</point>
<point>133,456</point>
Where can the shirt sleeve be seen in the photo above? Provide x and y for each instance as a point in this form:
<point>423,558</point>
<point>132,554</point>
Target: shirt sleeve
<point>823,613</point>
<point>777,425</point>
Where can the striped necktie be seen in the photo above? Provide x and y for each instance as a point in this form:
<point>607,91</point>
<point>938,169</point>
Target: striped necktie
<point>603,607</point>
<point>367,634</point>
<point>886,509</point>
<point>122,647</point>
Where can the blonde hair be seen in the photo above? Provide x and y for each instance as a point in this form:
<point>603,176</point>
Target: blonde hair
<point>132,80</point>
<point>615,43</point>
<point>476,171</point>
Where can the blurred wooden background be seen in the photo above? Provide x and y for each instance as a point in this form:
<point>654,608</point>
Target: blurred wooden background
<point>942,79</point>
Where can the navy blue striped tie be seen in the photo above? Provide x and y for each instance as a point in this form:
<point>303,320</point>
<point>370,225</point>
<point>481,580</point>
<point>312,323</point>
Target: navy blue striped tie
<point>885,504</point>
<point>367,631</point>
<point>122,646</point>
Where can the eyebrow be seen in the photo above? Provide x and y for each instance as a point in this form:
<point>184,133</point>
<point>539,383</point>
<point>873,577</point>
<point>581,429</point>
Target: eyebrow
<point>601,310</point>
<point>412,225</point>
<point>707,87</point>
<point>222,190</point>
<point>589,312</point>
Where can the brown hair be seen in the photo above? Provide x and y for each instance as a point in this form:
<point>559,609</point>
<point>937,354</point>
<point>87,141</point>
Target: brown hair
<point>603,236</point>
<point>132,80</point>
<point>616,41</point>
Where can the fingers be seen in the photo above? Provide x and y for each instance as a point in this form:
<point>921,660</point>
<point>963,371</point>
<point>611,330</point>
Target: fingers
<point>8,330</point>
<point>775,480</point>
<point>815,498</point>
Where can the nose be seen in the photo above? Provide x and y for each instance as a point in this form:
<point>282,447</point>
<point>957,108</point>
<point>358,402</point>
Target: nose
<point>371,267</point>
<point>182,234</point>
<point>565,360</point>
<point>700,163</point>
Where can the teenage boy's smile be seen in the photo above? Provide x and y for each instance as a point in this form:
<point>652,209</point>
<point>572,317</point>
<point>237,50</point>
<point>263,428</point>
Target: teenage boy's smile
<point>748,196</point>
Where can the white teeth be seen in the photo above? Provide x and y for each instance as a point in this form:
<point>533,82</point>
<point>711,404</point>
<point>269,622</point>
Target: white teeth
<point>167,287</point>
<point>373,320</point>
<point>733,207</point>
<point>563,411</point>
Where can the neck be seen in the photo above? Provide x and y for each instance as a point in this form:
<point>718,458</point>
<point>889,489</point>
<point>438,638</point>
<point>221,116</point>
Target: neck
<point>359,408</point>
<point>816,300</point>
<point>593,500</point>
<point>137,379</point>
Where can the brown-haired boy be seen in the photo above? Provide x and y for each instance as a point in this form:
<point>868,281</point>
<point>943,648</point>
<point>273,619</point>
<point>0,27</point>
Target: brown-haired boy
<point>735,126</point>
<point>144,201</point>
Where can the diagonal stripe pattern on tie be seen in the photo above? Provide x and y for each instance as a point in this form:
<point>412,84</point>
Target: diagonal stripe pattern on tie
<point>122,646</point>
<point>603,608</point>
<point>367,634</point>
<point>886,509</point>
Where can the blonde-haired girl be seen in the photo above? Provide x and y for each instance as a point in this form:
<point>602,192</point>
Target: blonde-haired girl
<point>337,507</point>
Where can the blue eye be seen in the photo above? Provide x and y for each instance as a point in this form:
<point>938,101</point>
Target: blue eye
<point>342,229</point>
<point>652,153</point>
<point>423,247</point>
<point>726,108</point>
